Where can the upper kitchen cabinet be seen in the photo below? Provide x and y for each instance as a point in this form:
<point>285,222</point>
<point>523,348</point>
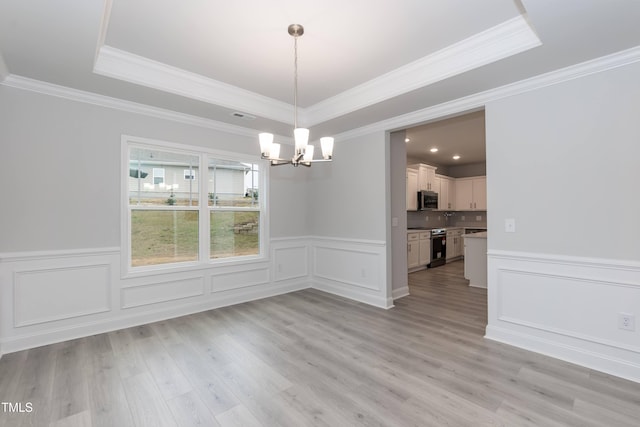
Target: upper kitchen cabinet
<point>445,187</point>
<point>471,194</point>
<point>412,190</point>
<point>426,176</point>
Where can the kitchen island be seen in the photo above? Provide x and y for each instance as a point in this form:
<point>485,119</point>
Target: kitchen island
<point>475,259</point>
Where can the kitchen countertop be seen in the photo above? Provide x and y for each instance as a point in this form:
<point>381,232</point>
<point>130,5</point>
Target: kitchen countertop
<point>417,230</point>
<point>481,235</point>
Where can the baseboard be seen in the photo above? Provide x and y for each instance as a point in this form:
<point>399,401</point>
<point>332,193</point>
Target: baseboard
<point>572,354</point>
<point>352,294</point>
<point>400,292</point>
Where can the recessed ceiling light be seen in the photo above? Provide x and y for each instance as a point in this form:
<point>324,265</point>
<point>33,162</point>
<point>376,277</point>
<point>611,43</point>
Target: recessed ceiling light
<point>434,150</point>
<point>456,157</point>
<point>407,140</point>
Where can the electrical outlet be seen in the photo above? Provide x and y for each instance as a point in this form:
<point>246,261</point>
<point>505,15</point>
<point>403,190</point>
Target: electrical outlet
<point>478,217</point>
<point>510,225</point>
<point>426,218</point>
<point>626,321</point>
<point>462,217</point>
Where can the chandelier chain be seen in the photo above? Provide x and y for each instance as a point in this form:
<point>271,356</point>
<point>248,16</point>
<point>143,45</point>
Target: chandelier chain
<point>295,82</point>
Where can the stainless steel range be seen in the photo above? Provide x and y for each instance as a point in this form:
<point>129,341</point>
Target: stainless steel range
<point>438,247</point>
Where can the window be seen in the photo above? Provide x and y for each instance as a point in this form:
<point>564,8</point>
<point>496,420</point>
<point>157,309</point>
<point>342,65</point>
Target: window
<point>189,174</point>
<point>168,221</point>
<point>234,208</point>
<point>158,176</point>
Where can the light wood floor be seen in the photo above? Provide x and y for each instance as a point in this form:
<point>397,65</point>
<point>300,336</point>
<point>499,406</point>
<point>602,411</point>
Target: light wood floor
<point>309,358</point>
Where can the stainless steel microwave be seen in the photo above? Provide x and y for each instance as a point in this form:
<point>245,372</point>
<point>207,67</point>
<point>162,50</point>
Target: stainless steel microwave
<point>427,200</point>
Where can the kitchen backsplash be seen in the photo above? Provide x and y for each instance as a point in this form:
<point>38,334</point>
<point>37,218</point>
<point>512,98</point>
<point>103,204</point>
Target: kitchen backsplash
<point>434,219</point>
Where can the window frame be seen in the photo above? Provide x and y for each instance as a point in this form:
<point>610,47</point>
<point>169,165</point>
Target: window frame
<point>204,210</point>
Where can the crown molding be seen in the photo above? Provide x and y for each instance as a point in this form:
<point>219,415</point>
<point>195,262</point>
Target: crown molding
<point>509,38</point>
<point>104,26</point>
<point>480,99</point>
<point>503,40</point>
<point>58,91</point>
<point>122,65</point>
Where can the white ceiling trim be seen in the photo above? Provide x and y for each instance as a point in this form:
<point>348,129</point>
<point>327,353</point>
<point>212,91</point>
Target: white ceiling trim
<point>58,91</point>
<point>104,25</point>
<point>479,100</point>
<point>460,105</point>
<point>122,65</point>
<point>509,38</point>
<point>499,42</point>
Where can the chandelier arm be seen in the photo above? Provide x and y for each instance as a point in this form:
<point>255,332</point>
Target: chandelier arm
<point>281,162</point>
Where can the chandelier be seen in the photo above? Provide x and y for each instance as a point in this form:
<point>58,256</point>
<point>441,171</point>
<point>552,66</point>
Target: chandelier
<point>303,151</point>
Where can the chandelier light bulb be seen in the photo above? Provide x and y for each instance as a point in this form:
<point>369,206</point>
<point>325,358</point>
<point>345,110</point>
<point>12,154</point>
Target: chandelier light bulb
<point>275,151</point>
<point>326,143</point>
<point>301,136</point>
<point>308,153</point>
<point>266,140</point>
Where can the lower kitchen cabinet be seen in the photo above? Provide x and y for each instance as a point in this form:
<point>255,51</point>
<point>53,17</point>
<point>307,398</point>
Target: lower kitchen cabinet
<point>425,248</point>
<point>455,244</point>
<point>418,250</point>
<point>413,250</point>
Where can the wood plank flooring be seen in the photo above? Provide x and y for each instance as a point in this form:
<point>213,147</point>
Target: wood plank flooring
<point>309,358</point>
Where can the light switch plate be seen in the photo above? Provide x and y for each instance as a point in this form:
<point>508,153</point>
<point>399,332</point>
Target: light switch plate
<point>510,225</point>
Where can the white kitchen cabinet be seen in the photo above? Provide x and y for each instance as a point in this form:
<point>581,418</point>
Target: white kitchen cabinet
<point>418,250</point>
<point>426,176</point>
<point>455,244</point>
<point>425,248</point>
<point>445,189</point>
<point>475,259</point>
<point>413,250</point>
<point>480,193</point>
<point>471,194</point>
<point>412,190</point>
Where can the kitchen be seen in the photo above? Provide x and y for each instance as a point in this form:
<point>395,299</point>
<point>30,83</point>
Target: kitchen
<point>446,196</point>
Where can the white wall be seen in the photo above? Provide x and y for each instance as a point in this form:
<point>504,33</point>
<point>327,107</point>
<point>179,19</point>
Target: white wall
<point>398,185</point>
<point>563,162</point>
<point>347,208</point>
<point>60,272</point>
<point>66,157</point>
<point>347,196</point>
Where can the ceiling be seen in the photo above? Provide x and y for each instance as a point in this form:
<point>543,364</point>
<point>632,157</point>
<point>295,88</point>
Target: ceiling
<point>360,62</point>
<point>463,135</point>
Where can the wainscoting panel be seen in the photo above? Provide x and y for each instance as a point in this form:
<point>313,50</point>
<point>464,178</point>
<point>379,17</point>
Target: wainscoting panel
<point>567,308</point>
<point>352,268</point>
<point>46,295</point>
<point>162,291</point>
<point>239,279</point>
<point>53,296</point>
<point>290,260</point>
